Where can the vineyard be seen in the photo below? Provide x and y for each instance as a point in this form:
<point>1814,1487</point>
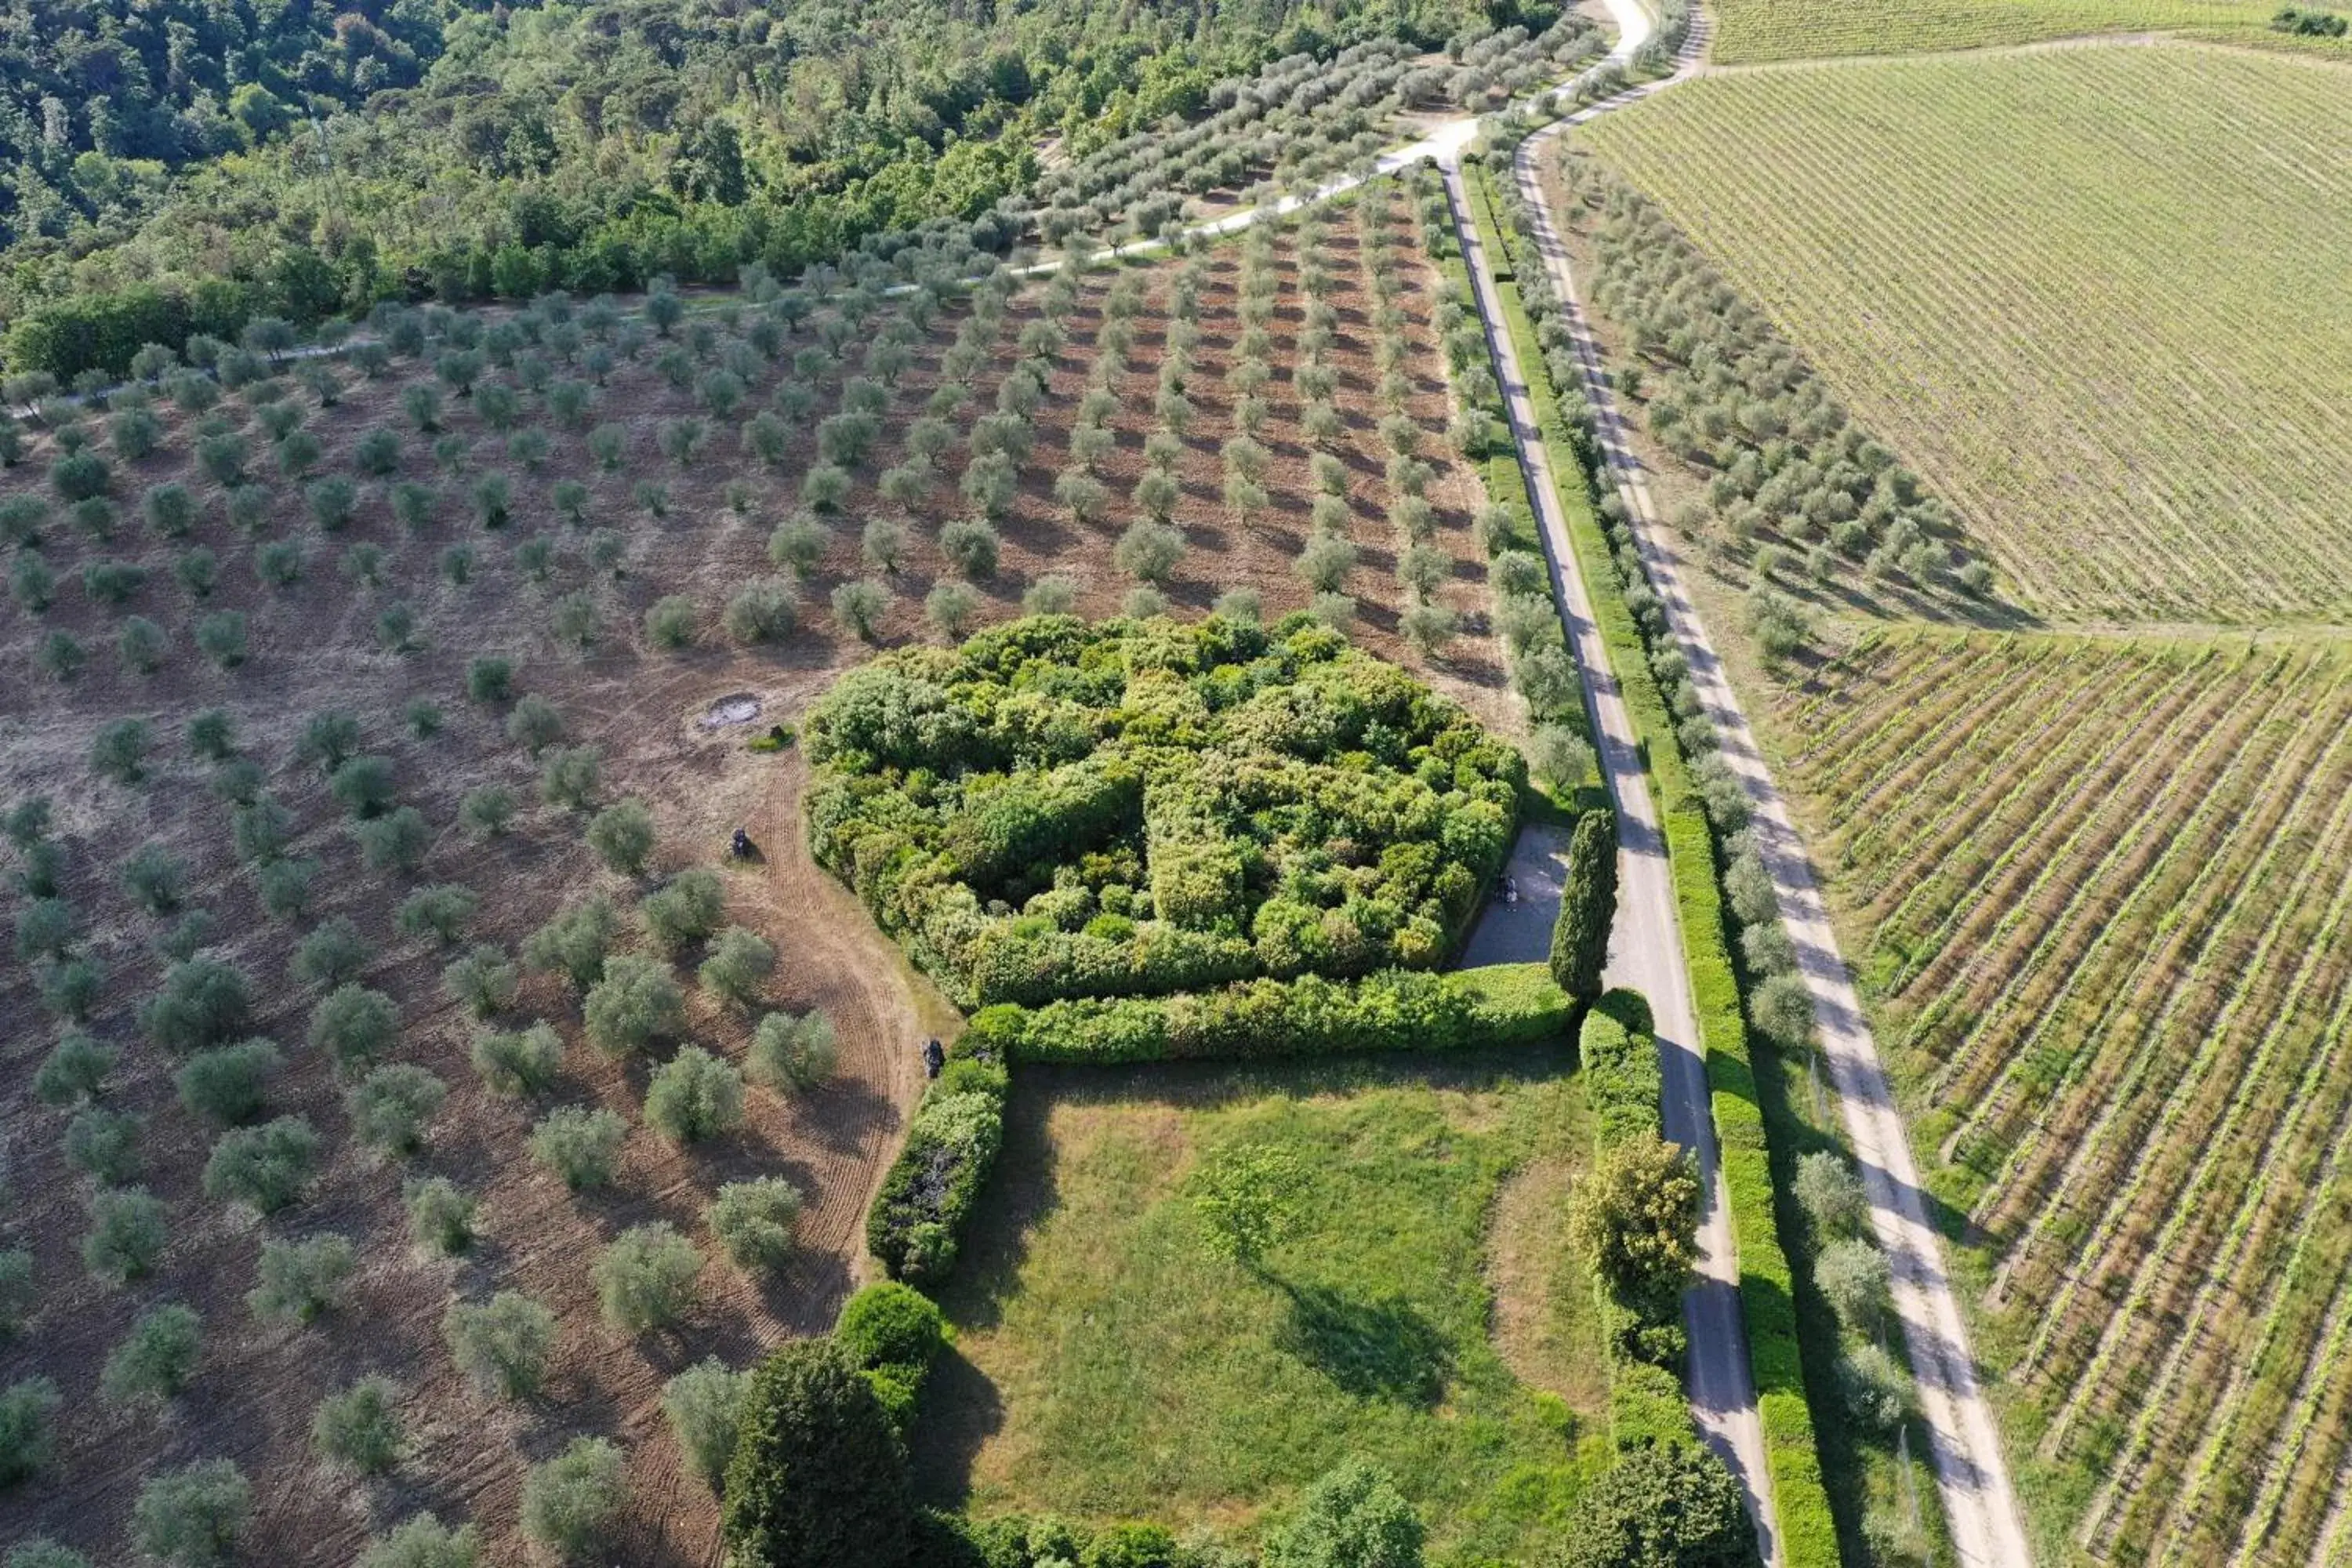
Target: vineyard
<point>2142,419</point>
<point>2098,890</point>
<point>402,1051</point>
<point>1755,32</point>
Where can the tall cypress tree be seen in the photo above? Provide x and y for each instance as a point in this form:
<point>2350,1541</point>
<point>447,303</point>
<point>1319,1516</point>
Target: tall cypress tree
<point>1587,906</point>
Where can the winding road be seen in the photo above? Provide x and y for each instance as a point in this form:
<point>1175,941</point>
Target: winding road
<point>1980,1504</point>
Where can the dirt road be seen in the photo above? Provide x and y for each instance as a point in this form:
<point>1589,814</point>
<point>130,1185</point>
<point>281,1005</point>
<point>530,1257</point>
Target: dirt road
<point>1972,1475</point>
<point>1645,950</point>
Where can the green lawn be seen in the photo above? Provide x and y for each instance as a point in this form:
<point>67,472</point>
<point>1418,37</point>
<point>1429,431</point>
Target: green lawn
<point>1426,1311</point>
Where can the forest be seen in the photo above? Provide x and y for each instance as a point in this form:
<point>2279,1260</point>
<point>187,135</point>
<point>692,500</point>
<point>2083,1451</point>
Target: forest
<point>176,169</point>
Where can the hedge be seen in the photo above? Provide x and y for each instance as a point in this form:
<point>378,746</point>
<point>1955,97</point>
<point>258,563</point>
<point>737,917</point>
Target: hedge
<point>1807,1534</point>
<point>1393,1011</point>
<point>916,1226</point>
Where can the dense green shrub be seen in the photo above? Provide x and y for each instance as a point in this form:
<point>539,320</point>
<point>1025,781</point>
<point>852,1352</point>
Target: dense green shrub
<point>27,1441</point>
<point>440,1214</point>
<point>1666,1507</point>
<point>571,776</point>
<point>1635,1221</point>
<point>1298,807</point>
<point>916,1224</point>
<point>191,1518</point>
<point>1587,906</point>
<point>636,1001</point>
<point>424,1542</point>
<point>126,1234</point>
<point>359,1428</point>
<point>265,1167</point>
<point>892,1334</point>
<point>737,962</point>
<point>105,1145</point>
<point>574,942</point>
<point>579,1144</point>
<point>793,1052</point>
<point>704,1405</point>
<point>158,1356</point>
<point>1353,1517</point>
<point>752,1222</point>
<point>484,981</point>
<point>396,841</point>
<point>694,1096</point>
<point>523,1062</point>
<point>75,1070</point>
<point>502,1344</point>
<point>1619,1054</point>
<point>817,1479</point>
<point>390,1108</point>
<point>569,1502</point>
<point>298,1281</point>
<point>354,1025</point>
<point>687,909</point>
<point>438,913</point>
<point>645,1279</point>
<point>622,837</point>
<point>331,955</point>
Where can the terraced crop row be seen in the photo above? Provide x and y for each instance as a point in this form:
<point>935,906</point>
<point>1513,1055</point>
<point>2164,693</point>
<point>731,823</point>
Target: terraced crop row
<point>2105,891</point>
<point>2138,415</point>
<point>1754,31</point>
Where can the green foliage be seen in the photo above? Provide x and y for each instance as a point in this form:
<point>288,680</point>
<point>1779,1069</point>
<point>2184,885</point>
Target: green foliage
<point>439,912</point>
<point>118,750</point>
<point>126,1236</point>
<point>636,1001</point>
<point>1587,906</point>
<point>645,1279</point>
<point>574,942</point>
<point>440,1214</point>
<point>105,1145</point>
<point>916,1222</point>
<point>396,841</point>
<point>580,1145</point>
<point>157,1358</point>
<point>266,1167</point>
<point>27,1442</point>
<point>424,1542</point>
<point>694,1096</point>
<point>816,1478</point>
<point>331,955</point>
<point>670,622</point>
<point>1635,1221</point>
<point>739,963</point>
<point>19,1291</point>
<point>761,611</point>
<point>391,1107</point>
<point>569,1502</point>
<point>793,1052</point>
<point>622,837</point>
<point>354,1025</point>
<point>502,1344</point>
<point>754,1220</point>
<point>519,1063</point>
<point>75,1070</point>
<point>1660,1507</point>
<point>704,1405</point>
<point>360,1430</point>
<point>298,1281</point>
<point>192,1517</point>
<point>202,1002</point>
<point>1248,1202</point>
<point>1353,1517</point>
<point>687,909</point>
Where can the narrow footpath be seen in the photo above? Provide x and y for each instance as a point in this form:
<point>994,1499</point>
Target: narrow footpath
<point>1645,949</point>
<point>1971,1473</point>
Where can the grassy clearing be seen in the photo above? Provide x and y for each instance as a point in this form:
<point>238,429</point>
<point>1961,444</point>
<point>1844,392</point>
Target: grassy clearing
<point>2101,894</point>
<point>2142,417</point>
<point>1751,32</point>
<point>1109,1366</point>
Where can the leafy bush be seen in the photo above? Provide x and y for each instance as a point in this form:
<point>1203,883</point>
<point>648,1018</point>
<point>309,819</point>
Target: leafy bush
<point>645,1279</point>
<point>486,812</point>
<point>438,913</point>
<point>793,1052</point>
<point>694,1096</point>
<point>391,1107</point>
<point>763,611</point>
<point>817,1479</point>
<point>301,1279</point>
<point>1667,1505</point>
<point>424,1542</point>
<point>704,1405</point>
<point>394,842</point>
<point>569,1502</point>
<point>522,1063</point>
<point>636,1001</point>
<point>570,776</point>
<point>1353,1517</point>
<point>574,942</point>
<point>118,750</point>
<point>534,725</point>
<point>916,1222</point>
<point>363,785</point>
<point>191,1518</point>
<point>1587,906</point>
<point>580,1145</point>
<point>157,1358</point>
<point>354,1025</point>
<point>440,1214</point>
<point>502,1344</point>
<point>74,1070</point>
<point>359,1429</point>
<point>753,1222</point>
<point>1635,1220</point>
<point>739,962</point>
<point>28,1443</point>
<point>331,955</point>
<point>265,1167</point>
<point>893,1335</point>
<point>105,1145</point>
<point>126,1234</point>
<point>688,908</point>
<point>622,834</point>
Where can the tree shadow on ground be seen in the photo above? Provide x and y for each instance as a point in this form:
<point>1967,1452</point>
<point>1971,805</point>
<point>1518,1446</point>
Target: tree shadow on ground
<point>1373,1350</point>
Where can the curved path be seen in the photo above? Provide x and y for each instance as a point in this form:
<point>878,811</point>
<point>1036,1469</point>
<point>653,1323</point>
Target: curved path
<point>1979,1503</point>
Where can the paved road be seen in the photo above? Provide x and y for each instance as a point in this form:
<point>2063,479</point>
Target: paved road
<point>1645,950</point>
<point>1979,1503</point>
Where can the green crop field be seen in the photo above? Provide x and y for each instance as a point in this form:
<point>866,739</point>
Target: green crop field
<point>1756,31</point>
<point>2133,391</point>
<point>2096,889</point>
<point>1109,1366</point>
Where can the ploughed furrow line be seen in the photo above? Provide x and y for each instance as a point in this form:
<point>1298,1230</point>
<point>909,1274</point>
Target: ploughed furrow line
<point>2069,884</point>
<point>2059,1179</point>
<point>2231,1098</point>
<point>1936,814</point>
<point>1928,662</point>
<point>1896,750</point>
<point>1931,863</point>
<point>1819,709</point>
<point>2201,1342</point>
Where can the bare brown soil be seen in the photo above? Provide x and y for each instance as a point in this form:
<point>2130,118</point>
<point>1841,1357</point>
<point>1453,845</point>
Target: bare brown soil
<point>314,647</point>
